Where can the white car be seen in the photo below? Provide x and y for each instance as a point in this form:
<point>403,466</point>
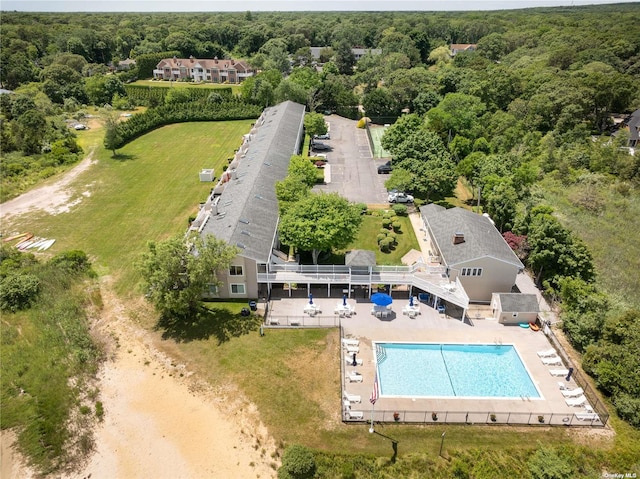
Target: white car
<point>400,197</point>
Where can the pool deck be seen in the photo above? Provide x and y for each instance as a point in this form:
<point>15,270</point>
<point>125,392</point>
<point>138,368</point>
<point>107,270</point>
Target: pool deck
<point>432,327</point>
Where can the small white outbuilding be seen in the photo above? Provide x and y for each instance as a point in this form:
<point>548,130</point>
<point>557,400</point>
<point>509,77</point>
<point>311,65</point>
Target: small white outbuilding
<point>207,174</point>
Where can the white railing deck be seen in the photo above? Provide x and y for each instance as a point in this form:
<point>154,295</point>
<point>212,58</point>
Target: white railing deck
<point>429,278</point>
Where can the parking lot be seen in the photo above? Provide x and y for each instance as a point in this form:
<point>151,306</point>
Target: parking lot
<point>351,169</point>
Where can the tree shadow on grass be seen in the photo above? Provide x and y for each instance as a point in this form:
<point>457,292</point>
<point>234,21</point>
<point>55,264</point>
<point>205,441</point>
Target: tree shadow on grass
<point>123,157</point>
<point>221,323</point>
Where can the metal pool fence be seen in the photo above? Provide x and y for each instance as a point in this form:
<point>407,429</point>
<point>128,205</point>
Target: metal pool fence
<point>477,417</point>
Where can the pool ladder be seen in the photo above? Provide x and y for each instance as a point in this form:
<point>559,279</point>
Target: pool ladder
<point>381,354</point>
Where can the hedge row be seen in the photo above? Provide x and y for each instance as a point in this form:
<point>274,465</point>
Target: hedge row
<point>153,118</point>
<point>146,94</point>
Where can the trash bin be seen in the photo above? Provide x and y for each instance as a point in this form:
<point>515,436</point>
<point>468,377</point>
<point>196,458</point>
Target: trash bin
<point>253,305</point>
<point>245,312</point>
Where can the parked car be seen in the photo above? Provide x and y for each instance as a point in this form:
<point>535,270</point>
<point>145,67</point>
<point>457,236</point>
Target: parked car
<point>80,126</point>
<point>326,136</point>
<point>400,197</point>
<point>385,169</point>
<point>316,145</point>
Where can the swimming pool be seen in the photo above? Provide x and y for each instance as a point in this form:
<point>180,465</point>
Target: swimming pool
<point>452,370</point>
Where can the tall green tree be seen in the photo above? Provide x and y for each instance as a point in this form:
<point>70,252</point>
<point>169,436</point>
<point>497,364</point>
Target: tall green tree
<point>176,273</point>
<point>112,137</point>
<point>320,222</point>
<point>314,124</point>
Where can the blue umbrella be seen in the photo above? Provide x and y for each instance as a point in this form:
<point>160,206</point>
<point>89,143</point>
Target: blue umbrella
<point>411,301</point>
<point>310,298</point>
<point>381,299</point>
<point>344,300</point>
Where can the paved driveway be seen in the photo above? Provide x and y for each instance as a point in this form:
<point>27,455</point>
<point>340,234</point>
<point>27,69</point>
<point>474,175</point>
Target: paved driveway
<point>352,170</point>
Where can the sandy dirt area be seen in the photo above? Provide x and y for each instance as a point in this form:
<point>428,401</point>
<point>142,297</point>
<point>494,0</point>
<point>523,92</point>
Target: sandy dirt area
<point>53,198</point>
<point>160,420</point>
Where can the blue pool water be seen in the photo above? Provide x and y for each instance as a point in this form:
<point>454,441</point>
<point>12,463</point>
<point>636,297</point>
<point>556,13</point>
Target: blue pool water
<point>453,370</point>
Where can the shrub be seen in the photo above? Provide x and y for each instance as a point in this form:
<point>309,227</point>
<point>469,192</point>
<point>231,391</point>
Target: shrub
<point>380,237</point>
<point>399,210</point>
<point>362,207</point>
<point>393,236</point>
<point>297,463</point>
<point>74,260</point>
<point>18,291</point>
<point>385,244</point>
<point>547,464</point>
<point>628,408</point>
<point>384,232</point>
<point>386,222</point>
<point>397,226</point>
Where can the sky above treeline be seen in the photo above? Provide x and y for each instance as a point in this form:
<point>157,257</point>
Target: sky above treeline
<point>280,5</point>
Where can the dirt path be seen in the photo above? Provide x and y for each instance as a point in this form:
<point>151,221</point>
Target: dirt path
<point>53,198</point>
<point>162,422</point>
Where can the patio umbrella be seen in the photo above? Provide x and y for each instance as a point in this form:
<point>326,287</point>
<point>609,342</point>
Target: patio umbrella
<point>310,298</point>
<point>381,299</point>
<point>344,300</point>
<point>411,301</point>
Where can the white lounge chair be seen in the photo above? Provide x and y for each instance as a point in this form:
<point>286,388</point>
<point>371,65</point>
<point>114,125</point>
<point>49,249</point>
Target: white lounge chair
<point>587,416</point>
<point>573,392</point>
<point>562,386</point>
<point>352,397</point>
<point>349,361</point>
<point>352,349</point>
<point>548,353</point>
<point>575,402</point>
<point>354,377</point>
<point>559,372</point>
<point>350,342</point>
<point>355,414</point>
<point>552,361</point>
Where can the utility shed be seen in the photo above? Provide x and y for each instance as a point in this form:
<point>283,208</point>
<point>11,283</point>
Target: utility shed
<point>207,174</point>
<point>515,308</point>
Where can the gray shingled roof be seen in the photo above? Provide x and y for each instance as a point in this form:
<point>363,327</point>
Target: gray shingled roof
<point>248,208</point>
<point>519,303</point>
<point>360,257</point>
<point>481,238</point>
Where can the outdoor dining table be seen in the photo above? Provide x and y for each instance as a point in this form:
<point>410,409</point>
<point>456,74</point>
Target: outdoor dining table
<point>344,309</point>
<point>312,309</point>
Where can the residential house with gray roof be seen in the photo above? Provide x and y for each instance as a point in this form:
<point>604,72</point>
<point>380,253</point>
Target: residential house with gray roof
<point>243,209</point>
<point>472,250</point>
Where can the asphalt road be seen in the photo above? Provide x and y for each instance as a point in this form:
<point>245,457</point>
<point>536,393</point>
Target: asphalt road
<point>353,170</point>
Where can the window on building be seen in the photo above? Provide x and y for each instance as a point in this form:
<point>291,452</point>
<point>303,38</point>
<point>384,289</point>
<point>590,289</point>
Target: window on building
<point>213,288</point>
<point>237,288</point>
<point>235,270</point>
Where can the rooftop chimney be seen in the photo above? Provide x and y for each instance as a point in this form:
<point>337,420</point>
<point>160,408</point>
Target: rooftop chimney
<point>458,238</point>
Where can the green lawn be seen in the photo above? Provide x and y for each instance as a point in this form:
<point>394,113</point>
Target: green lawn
<point>176,84</point>
<point>371,226</point>
<point>146,193</point>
